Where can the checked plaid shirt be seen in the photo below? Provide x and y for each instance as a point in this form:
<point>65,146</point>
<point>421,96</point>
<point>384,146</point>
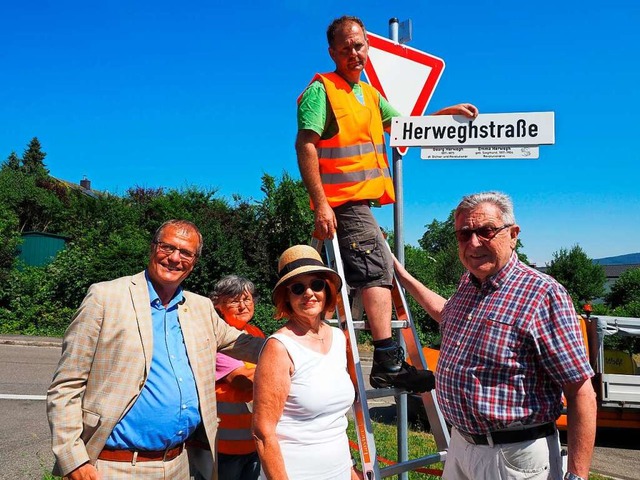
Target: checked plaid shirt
<point>508,346</point>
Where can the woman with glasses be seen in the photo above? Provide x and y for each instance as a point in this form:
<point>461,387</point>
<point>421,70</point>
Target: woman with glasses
<point>234,299</point>
<point>302,389</point>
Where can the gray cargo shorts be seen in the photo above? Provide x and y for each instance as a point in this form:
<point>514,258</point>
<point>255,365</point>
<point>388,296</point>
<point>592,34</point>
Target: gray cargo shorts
<point>367,260</point>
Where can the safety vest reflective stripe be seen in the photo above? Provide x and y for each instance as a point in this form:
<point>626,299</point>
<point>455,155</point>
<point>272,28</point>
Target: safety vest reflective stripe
<point>234,430</point>
<point>331,153</point>
<point>338,178</point>
<point>238,426</point>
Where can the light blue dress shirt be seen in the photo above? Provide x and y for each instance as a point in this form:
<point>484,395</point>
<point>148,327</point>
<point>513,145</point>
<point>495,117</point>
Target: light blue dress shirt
<point>167,411</point>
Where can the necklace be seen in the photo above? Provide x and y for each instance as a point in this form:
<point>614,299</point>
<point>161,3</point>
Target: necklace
<point>317,337</point>
<point>297,330</point>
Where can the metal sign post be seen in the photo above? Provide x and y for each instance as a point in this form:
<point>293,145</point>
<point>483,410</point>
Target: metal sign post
<point>398,229</point>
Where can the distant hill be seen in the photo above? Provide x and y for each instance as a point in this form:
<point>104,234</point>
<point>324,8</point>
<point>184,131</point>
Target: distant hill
<point>629,258</point>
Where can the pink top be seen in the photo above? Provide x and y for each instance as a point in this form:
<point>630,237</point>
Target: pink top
<point>225,365</point>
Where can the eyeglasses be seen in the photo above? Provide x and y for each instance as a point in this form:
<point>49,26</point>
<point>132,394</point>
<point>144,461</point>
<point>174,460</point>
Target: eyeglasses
<point>317,285</point>
<point>168,249</point>
<point>483,233</point>
<point>247,302</point>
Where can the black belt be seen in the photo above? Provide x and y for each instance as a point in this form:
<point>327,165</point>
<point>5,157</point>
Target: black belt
<point>351,203</point>
<point>511,436</point>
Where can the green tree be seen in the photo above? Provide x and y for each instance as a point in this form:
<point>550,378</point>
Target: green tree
<point>38,209</point>
<point>441,248</point>
<point>631,309</point>
<point>426,269</point>
<point>30,193</point>
<point>33,160</point>
<point>439,235</point>
<point>521,255</point>
<point>224,246</point>
<point>30,308</point>
<point>583,279</point>
<point>95,257</point>
<point>12,162</point>
<point>285,218</point>
<point>9,241</point>
<point>626,289</point>
<point>97,217</point>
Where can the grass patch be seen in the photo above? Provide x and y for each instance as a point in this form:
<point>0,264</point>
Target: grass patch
<point>420,444</point>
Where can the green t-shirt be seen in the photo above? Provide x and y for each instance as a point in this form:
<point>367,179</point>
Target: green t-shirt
<point>314,112</point>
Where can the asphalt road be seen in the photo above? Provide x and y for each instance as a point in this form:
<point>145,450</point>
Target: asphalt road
<point>26,371</point>
<point>25,448</point>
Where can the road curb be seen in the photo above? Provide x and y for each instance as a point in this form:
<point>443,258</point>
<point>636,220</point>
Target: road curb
<point>366,357</point>
<point>30,341</point>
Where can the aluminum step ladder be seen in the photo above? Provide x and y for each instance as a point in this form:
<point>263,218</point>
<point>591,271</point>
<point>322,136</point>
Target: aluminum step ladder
<point>349,319</point>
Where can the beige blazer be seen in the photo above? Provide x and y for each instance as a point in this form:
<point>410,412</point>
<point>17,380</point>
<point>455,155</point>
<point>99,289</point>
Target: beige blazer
<point>106,357</point>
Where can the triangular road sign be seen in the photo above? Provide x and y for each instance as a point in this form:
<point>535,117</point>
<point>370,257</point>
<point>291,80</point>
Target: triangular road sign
<point>406,77</point>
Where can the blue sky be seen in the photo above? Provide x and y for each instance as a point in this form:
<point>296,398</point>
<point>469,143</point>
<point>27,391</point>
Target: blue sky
<point>177,94</point>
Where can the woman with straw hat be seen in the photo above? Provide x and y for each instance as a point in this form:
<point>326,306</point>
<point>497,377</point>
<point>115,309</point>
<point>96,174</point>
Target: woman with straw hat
<point>302,390</point>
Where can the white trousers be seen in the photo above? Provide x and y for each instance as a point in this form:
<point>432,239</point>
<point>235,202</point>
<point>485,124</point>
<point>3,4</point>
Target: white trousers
<point>530,460</point>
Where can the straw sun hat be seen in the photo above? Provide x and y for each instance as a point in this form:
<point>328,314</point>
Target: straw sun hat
<point>299,260</point>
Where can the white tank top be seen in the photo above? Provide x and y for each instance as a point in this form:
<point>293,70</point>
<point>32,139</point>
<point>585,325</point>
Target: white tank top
<point>312,430</point>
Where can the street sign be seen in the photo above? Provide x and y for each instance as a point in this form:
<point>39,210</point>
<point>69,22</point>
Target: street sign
<point>511,129</point>
<point>405,32</point>
<point>479,153</point>
<point>406,77</point>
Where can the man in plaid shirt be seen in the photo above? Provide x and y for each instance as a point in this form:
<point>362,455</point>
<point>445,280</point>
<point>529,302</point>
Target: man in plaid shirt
<point>511,346</point>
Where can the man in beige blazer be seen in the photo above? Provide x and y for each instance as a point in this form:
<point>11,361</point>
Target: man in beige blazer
<point>111,414</point>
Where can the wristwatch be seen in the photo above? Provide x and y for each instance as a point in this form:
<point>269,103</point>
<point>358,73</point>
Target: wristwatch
<point>572,476</point>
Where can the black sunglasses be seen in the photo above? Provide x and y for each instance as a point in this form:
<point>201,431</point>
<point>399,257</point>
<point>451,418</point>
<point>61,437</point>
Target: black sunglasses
<point>483,233</point>
<point>317,285</point>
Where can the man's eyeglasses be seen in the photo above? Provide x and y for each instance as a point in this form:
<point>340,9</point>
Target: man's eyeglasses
<point>247,302</point>
<point>317,285</point>
<point>483,233</point>
<point>168,249</point>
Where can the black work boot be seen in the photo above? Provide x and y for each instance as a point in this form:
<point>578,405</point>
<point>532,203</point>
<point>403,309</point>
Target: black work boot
<point>390,370</point>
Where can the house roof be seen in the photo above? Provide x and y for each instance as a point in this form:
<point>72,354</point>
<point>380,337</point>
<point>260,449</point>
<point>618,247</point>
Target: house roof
<point>43,234</point>
<point>80,188</point>
<point>614,271</point>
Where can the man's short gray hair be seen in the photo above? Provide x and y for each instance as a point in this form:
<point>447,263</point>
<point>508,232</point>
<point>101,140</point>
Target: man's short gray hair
<point>179,225</point>
<point>499,199</point>
<point>232,286</point>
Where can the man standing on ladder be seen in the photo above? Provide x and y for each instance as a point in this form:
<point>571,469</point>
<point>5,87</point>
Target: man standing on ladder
<point>343,163</point>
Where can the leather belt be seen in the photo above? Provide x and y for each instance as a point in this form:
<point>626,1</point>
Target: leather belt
<point>510,436</point>
<point>141,455</point>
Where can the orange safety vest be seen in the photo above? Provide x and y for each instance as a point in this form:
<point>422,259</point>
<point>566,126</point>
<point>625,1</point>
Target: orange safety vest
<point>353,163</point>
<point>234,429</point>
